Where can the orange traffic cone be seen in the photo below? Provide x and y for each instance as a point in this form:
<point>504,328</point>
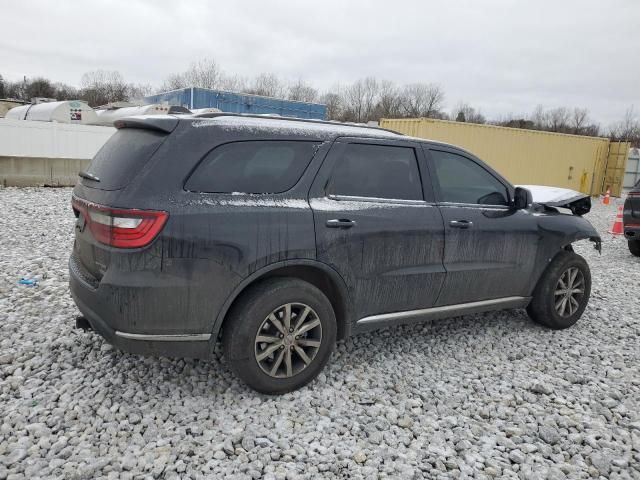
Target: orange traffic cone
<point>607,195</point>
<point>618,228</point>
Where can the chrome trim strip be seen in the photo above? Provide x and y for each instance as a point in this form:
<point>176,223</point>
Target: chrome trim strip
<point>460,307</point>
<point>351,198</point>
<point>192,337</point>
<point>480,206</point>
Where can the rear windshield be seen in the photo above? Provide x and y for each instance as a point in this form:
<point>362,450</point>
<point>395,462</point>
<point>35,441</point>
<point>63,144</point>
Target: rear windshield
<point>124,154</point>
<point>268,166</point>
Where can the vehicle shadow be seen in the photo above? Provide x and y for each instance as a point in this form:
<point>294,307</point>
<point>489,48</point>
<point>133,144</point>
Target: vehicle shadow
<point>372,350</point>
<point>434,336</point>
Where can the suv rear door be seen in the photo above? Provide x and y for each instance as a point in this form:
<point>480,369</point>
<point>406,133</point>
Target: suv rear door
<point>490,248</point>
<point>114,167</point>
<point>376,225</point>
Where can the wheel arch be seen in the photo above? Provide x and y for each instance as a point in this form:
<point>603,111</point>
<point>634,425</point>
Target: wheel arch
<point>543,307</point>
<point>319,274</point>
<point>558,232</point>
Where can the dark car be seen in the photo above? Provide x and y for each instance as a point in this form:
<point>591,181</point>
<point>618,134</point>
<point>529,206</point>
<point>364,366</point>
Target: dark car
<point>282,236</point>
<point>631,219</point>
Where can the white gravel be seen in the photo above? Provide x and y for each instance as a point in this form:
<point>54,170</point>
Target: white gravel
<point>482,396</point>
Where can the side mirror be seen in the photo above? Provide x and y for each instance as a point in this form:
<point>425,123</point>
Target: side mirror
<point>522,198</point>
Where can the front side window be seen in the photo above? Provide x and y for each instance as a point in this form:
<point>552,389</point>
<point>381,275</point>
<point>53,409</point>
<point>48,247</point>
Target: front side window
<point>377,171</point>
<point>252,167</point>
<point>462,180</point>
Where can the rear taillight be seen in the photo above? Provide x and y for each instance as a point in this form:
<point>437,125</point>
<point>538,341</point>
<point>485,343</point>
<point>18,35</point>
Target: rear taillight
<point>634,194</point>
<point>120,227</point>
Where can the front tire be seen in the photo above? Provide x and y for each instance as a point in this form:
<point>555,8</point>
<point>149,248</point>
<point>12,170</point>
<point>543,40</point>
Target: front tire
<point>634,247</point>
<point>279,335</point>
<point>562,292</point>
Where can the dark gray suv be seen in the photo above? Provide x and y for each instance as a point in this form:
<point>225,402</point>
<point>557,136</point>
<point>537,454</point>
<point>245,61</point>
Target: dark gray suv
<point>282,236</point>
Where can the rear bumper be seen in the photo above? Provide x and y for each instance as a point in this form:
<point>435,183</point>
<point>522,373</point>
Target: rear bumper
<point>632,231</point>
<point>97,308</point>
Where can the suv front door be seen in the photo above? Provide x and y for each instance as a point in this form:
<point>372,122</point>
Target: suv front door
<point>490,247</point>
<point>377,226</point>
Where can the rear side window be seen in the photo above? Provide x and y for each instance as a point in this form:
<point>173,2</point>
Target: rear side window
<point>252,167</point>
<point>377,171</point>
<point>462,180</point>
<point>124,154</point>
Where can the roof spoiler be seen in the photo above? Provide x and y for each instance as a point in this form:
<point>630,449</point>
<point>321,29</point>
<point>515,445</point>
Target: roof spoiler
<point>161,123</point>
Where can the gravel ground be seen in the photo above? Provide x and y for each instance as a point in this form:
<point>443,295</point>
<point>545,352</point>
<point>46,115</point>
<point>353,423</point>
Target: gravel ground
<point>482,396</point>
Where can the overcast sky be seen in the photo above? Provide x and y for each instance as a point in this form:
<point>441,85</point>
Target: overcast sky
<point>500,56</point>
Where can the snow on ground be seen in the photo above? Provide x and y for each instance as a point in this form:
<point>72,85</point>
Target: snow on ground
<point>482,396</point>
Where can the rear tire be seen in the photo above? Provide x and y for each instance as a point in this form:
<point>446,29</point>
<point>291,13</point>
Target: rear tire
<point>279,335</point>
<point>634,247</point>
<point>562,293</point>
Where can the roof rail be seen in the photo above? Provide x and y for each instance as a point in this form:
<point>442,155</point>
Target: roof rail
<point>292,119</point>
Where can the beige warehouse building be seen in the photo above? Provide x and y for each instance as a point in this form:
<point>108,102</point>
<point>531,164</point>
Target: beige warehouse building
<point>586,164</point>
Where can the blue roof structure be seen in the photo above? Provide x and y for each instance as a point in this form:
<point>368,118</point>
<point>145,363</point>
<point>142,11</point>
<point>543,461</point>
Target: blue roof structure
<point>195,97</point>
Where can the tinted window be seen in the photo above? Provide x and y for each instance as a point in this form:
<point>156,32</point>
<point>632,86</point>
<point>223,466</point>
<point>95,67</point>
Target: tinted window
<point>464,181</point>
<point>124,154</point>
<point>252,167</point>
<point>376,171</point>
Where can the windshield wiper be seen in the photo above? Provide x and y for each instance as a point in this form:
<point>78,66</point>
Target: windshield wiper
<point>89,176</point>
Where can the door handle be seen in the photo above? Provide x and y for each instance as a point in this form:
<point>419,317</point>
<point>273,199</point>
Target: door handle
<point>340,223</point>
<point>460,224</point>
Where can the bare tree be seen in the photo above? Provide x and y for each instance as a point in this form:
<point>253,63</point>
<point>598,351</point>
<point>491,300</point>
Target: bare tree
<point>371,95</point>
<point>389,101</point>
<point>591,130</point>
<point>302,92</point>
<point>515,122</point>
<point>101,87</point>
<point>233,83</point>
<point>15,90</point>
<point>540,118</point>
<point>334,104</point>
<point>422,100</point>
<point>353,100</point>
<point>578,120</point>
<point>175,81</point>
<point>204,73</point>
<point>554,120</point>
<point>563,120</point>
<point>267,85</point>
<point>136,92</point>
<point>627,129</point>
<point>40,87</point>
<point>558,120</point>
<point>360,100</point>
<point>66,92</point>
<point>466,113</point>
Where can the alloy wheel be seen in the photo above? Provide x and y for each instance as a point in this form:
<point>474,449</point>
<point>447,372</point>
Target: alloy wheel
<point>569,292</point>
<point>288,340</point>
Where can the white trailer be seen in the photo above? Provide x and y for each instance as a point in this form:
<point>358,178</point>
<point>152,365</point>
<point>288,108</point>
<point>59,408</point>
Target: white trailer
<point>70,111</point>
